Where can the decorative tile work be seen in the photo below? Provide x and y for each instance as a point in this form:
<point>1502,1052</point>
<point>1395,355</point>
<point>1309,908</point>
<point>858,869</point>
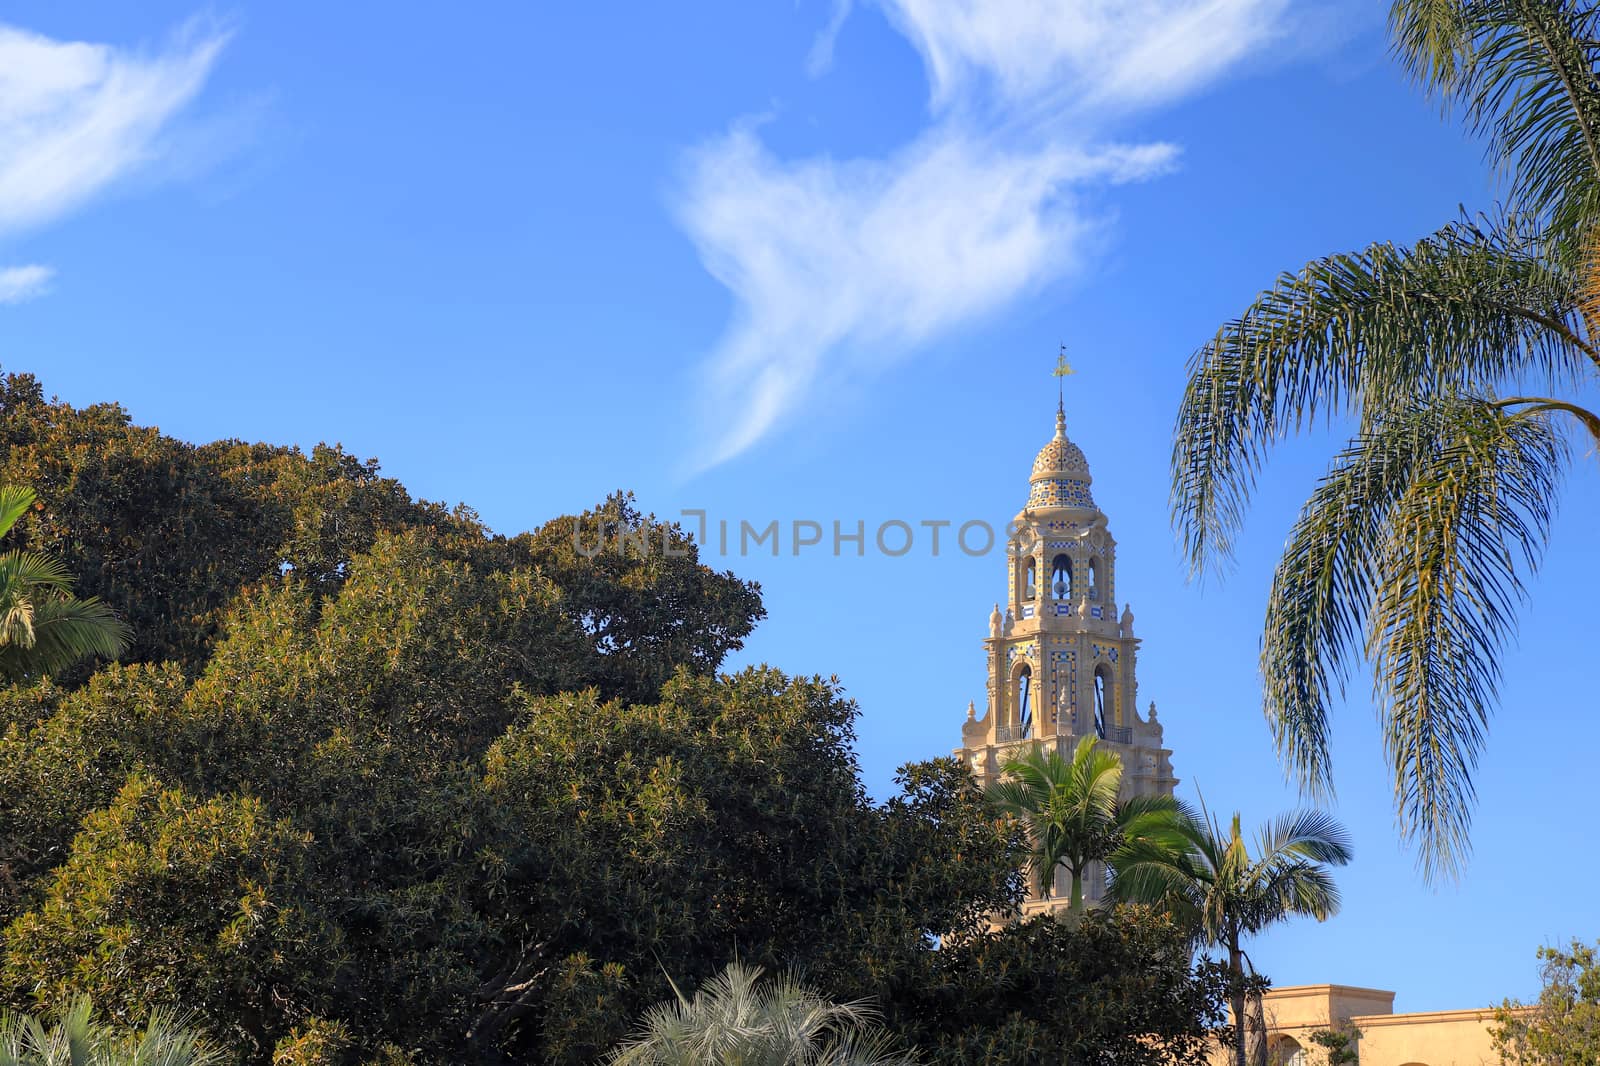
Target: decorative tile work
<point>1060,454</point>
<point>1060,492</point>
<point>1105,651</point>
<point>1028,650</point>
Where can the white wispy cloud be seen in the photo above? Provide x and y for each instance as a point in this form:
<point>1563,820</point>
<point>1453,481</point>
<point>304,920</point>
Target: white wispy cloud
<point>839,265</point>
<point>21,283</point>
<point>820,58</point>
<point>1103,53</point>
<point>75,117</point>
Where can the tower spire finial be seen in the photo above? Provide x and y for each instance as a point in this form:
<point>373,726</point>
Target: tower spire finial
<point>1063,368</point>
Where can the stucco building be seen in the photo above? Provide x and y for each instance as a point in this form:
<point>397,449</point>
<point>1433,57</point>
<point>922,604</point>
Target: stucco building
<point>1062,663</point>
<point>1382,1038</point>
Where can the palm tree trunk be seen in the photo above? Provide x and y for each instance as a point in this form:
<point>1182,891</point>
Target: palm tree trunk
<point>1236,981</point>
<point>1258,1020</point>
<point>1075,903</point>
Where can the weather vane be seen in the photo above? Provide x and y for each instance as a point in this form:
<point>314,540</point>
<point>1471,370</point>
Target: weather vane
<point>1063,368</point>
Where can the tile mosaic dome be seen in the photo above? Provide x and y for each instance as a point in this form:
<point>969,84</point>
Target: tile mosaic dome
<point>1060,473</point>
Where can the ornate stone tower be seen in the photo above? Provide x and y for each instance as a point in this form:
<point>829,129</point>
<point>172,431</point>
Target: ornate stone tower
<point>1062,661</point>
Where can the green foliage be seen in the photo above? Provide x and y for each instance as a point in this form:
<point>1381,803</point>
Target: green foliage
<point>379,787</point>
<point>1339,1045</point>
<point>635,586</point>
<point>314,1043</point>
<point>66,754</point>
<point>169,900</point>
<point>1119,983</point>
<point>1564,1025</point>
<point>727,817</point>
<point>737,1018</point>
<point>44,628</point>
<point>1222,893</point>
<point>1459,360</point>
<point>76,1039</point>
<point>1117,986</point>
<point>1418,534</point>
<point>169,534</point>
<point>1073,814</point>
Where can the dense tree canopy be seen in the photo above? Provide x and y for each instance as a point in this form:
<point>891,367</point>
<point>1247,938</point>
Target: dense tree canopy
<point>168,534</point>
<point>376,785</point>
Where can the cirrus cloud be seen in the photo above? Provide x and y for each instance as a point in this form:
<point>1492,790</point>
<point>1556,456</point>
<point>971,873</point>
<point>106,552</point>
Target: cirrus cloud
<point>75,117</point>
<point>838,266</point>
<point>22,283</point>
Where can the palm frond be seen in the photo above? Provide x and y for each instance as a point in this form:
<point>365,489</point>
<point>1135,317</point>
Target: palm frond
<point>1522,72</point>
<point>1311,835</point>
<point>740,1018</point>
<point>64,631</point>
<point>14,503</point>
<point>1412,551</point>
<point>1462,310</point>
<point>1431,39</point>
<point>76,1039</point>
<point>1474,518</point>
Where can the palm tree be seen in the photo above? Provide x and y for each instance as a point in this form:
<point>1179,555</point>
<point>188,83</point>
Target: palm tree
<point>737,1019</point>
<point>1225,894</point>
<point>77,1040</point>
<point>43,626</point>
<point>1459,360</point>
<point>1073,814</point>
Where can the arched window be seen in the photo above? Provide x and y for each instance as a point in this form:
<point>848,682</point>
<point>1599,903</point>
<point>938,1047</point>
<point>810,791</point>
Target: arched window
<point>1025,703</point>
<point>1286,1051</point>
<point>1030,575</point>
<point>1094,578</point>
<point>1061,577</point>
<point>1104,704</point>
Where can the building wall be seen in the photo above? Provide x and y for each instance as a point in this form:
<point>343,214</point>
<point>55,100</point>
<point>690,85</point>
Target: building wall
<point>1437,1038</point>
<point>1433,1038</point>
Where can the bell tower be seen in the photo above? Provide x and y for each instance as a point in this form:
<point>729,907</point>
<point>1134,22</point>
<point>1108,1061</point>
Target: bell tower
<point>1062,661</point>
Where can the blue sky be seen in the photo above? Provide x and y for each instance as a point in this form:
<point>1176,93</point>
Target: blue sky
<point>795,262</point>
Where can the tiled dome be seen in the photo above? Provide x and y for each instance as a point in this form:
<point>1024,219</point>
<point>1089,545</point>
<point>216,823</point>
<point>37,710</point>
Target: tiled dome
<point>1060,458</point>
<point>1060,473</point>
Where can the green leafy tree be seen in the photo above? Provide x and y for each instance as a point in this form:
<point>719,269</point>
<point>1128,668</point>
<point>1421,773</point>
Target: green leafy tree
<point>1074,816</point>
<point>44,628</point>
<point>168,900</point>
<point>314,1043</point>
<point>635,585</point>
<point>67,753</point>
<point>1564,1025</point>
<point>726,818</point>
<point>738,1018</point>
<point>1460,360</point>
<point>403,791</point>
<point>76,1039</point>
<point>1120,986</point>
<point>1226,894</point>
<point>169,534</point>
<point>1339,1045</point>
